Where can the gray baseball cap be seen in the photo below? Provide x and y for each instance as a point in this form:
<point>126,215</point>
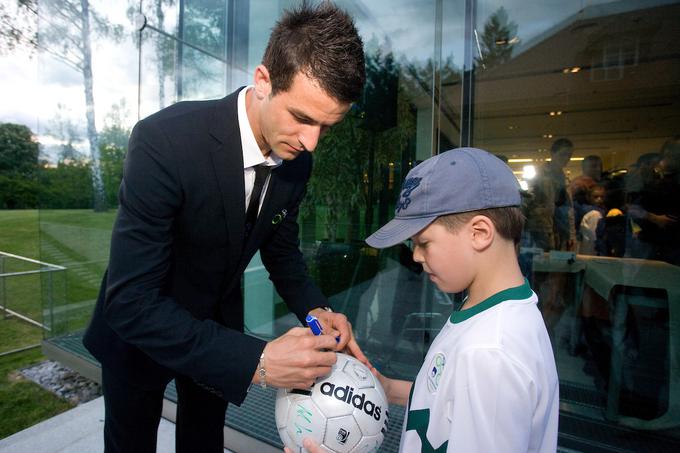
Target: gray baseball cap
<point>459,180</point>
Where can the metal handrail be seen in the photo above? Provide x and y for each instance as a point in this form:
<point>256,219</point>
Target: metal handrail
<point>45,267</point>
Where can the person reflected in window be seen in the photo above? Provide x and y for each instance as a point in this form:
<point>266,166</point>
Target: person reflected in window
<point>206,185</point>
<point>655,210</point>
<point>594,210</point>
<point>550,211</point>
<point>580,187</point>
<point>550,226</point>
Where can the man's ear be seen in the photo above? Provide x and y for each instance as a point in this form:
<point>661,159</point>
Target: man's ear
<point>262,81</point>
<point>482,232</point>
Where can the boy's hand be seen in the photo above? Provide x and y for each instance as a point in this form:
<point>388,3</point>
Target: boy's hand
<point>396,390</point>
<point>337,326</point>
<point>310,446</point>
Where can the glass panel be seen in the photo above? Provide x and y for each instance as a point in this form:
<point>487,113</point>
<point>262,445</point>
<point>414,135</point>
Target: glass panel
<point>358,169</point>
<point>159,72</point>
<point>582,99</point>
<point>201,55</point>
<point>88,89</point>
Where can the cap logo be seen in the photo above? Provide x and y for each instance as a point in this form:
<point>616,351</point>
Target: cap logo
<point>409,186</point>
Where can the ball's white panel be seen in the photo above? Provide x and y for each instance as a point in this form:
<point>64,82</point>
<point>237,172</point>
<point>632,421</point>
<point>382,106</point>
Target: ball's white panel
<point>304,419</point>
<point>281,408</point>
<point>342,434</point>
<point>369,444</point>
<point>370,411</point>
<point>333,395</point>
<point>359,373</point>
<point>288,442</point>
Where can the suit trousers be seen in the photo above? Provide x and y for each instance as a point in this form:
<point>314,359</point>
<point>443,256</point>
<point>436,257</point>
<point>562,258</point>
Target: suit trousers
<point>132,415</point>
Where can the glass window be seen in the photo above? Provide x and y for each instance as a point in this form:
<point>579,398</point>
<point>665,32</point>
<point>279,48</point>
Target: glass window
<point>581,99</point>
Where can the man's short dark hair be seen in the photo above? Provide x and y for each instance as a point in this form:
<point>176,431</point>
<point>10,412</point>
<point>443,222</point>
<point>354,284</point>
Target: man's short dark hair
<point>508,221</point>
<point>321,42</point>
<point>561,143</point>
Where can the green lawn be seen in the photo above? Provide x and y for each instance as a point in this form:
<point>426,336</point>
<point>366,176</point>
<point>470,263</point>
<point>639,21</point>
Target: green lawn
<point>22,402</point>
<point>75,239</point>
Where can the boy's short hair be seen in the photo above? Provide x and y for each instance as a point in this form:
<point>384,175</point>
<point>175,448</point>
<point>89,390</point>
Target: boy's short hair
<point>321,42</point>
<point>462,180</point>
<point>509,221</point>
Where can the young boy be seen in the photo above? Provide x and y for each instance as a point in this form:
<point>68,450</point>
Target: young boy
<point>488,382</point>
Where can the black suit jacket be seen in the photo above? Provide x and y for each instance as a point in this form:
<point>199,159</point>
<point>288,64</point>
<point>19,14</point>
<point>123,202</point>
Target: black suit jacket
<point>170,302</point>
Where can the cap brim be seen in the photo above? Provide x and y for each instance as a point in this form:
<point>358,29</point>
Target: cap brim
<point>396,231</point>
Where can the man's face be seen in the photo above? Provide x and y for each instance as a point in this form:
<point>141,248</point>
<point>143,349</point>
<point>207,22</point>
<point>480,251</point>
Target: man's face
<point>294,120</point>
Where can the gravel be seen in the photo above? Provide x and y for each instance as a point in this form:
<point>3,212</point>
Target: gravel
<point>63,382</point>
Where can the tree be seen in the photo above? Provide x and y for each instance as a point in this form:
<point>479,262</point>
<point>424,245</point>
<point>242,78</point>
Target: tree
<point>67,28</point>
<point>498,40</point>
<point>18,166</point>
<point>164,56</point>
<point>113,147</point>
<point>374,134</point>
<point>18,27</point>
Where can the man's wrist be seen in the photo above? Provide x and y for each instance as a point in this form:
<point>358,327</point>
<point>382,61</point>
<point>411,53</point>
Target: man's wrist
<point>262,372</point>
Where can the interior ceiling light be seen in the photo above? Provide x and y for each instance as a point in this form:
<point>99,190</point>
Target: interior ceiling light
<point>571,70</point>
<point>547,135</point>
<point>573,159</point>
<point>556,113</point>
<point>516,161</point>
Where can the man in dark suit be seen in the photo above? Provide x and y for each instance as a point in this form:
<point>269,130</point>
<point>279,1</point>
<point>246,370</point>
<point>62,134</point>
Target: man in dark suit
<point>170,305</point>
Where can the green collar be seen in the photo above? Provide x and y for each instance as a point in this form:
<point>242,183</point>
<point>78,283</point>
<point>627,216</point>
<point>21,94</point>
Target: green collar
<point>520,292</point>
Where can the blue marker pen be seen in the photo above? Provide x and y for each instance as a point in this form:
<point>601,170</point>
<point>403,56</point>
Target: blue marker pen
<point>314,324</point>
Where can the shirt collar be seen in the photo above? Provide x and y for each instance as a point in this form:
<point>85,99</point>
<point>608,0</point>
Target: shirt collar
<point>251,151</point>
<point>520,292</point>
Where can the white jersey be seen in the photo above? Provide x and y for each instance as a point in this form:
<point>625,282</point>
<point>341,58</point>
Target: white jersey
<point>488,383</point>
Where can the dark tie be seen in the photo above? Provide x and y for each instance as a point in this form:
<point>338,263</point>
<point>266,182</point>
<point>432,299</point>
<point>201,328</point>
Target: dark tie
<point>261,173</point>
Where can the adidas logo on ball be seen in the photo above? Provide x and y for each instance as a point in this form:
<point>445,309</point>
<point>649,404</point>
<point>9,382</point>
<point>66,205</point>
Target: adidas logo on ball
<point>346,395</point>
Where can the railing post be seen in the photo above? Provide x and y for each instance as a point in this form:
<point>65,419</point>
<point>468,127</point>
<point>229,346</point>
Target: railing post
<point>3,293</point>
<point>50,300</point>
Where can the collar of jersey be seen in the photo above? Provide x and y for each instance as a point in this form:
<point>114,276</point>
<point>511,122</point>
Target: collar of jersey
<point>520,292</point>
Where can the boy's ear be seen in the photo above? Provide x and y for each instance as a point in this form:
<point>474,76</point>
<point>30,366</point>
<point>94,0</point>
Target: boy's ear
<point>482,232</point>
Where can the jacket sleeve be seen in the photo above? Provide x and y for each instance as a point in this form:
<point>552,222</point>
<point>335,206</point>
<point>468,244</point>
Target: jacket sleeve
<point>136,305</point>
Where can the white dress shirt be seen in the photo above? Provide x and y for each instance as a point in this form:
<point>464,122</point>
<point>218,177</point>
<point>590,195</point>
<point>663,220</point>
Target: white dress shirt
<point>252,155</point>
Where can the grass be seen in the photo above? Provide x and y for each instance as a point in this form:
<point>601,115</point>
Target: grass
<point>22,402</point>
<point>75,239</point>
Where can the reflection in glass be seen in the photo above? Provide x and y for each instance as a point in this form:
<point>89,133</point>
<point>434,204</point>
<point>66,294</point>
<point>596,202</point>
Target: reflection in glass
<point>577,98</point>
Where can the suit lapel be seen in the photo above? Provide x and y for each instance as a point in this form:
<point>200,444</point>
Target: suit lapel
<point>228,162</point>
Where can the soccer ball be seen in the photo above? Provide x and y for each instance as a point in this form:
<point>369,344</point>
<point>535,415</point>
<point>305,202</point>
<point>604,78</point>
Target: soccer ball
<point>345,412</point>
